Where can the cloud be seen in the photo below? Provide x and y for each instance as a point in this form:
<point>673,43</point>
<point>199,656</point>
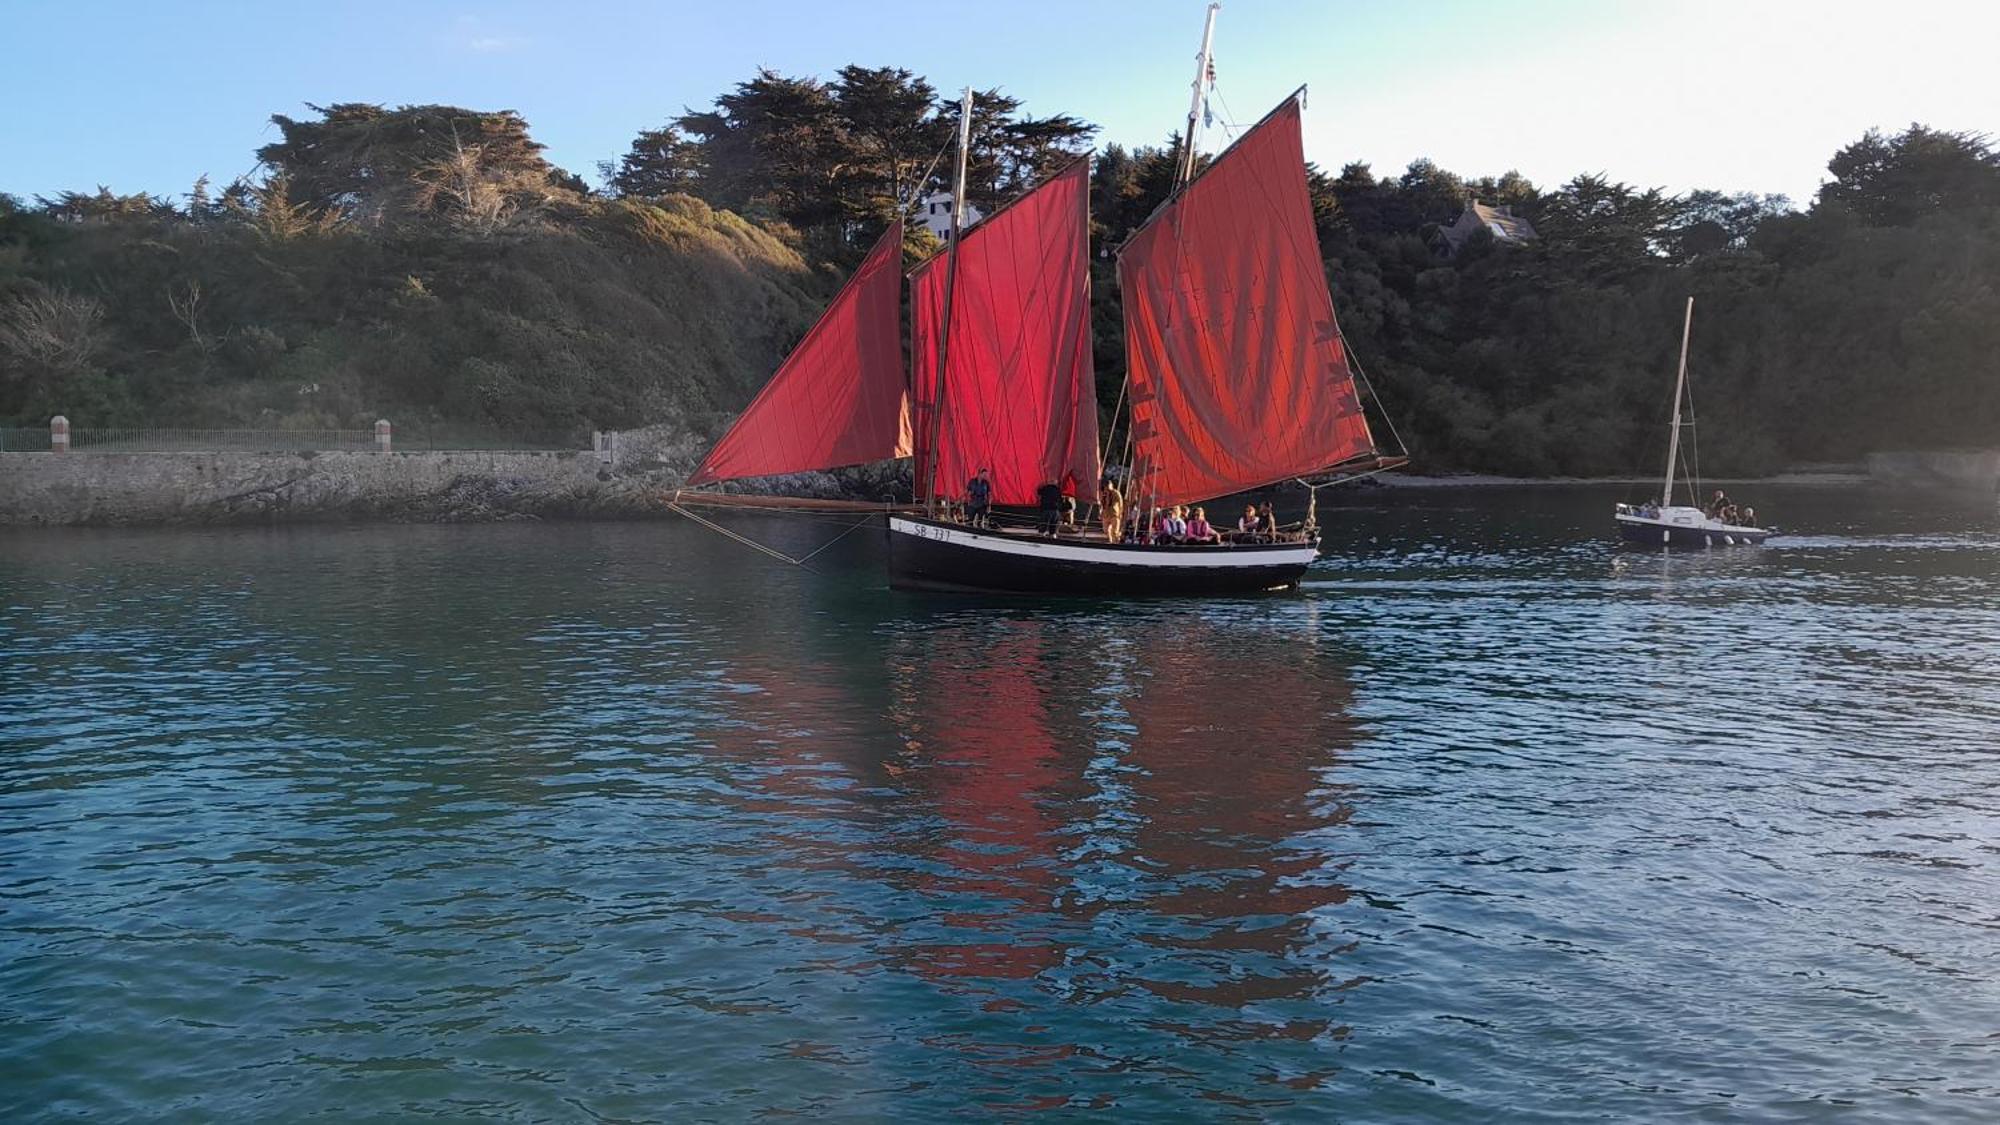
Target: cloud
<point>477,36</point>
<point>494,44</point>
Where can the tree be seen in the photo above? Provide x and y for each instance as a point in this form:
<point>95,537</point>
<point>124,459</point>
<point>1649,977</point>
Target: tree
<point>378,165</point>
<point>1890,181</point>
<point>662,161</point>
<point>773,146</point>
<point>891,132</point>
<point>103,206</point>
<point>1709,222</point>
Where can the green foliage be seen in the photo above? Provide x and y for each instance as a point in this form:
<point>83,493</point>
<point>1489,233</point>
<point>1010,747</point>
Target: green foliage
<point>379,165</point>
<point>620,314</point>
<point>1890,181</point>
<point>838,160</point>
<point>426,264</point>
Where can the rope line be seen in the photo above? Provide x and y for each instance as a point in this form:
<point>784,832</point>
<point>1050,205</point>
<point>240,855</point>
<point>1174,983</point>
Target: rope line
<point>726,533</point>
<point>850,530</point>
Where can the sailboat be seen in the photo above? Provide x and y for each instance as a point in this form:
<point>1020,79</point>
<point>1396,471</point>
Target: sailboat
<point>1665,524</point>
<point>1237,379</point>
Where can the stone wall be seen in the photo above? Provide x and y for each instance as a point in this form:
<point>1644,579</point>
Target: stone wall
<point>1976,471</point>
<point>199,488</point>
<point>633,479</point>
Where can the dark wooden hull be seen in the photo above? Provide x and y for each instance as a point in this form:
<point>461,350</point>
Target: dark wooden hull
<point>928,554</point>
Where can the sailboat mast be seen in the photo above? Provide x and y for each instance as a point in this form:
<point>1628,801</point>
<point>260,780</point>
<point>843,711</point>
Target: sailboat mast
<point>944,324</point>
<point>1680,391</point>
<point>1186,171</point>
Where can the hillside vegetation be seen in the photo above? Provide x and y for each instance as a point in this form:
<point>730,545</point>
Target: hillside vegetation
<point>426,263</point>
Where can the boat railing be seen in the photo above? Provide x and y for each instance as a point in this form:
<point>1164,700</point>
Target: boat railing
<point>1017,522</point>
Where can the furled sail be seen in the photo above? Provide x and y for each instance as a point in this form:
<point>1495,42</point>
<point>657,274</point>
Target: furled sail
<point>1019,389</point>
<point>839,398</point>
<point>1238,377</point>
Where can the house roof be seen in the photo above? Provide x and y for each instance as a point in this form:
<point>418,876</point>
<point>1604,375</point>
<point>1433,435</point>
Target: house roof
<point>1512,225</point>
<point>1502,221</point>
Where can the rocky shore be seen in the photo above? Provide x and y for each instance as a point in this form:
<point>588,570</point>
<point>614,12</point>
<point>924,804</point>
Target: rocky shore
<point>630,479</point>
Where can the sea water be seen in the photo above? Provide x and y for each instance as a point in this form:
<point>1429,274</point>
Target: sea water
<point>1492,820</point>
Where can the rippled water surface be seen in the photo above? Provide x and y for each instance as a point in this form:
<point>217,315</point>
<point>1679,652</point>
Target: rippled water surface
<point>1492,821</point>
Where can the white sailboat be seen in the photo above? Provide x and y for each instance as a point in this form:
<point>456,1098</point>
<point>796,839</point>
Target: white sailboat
<point>1665,524</point>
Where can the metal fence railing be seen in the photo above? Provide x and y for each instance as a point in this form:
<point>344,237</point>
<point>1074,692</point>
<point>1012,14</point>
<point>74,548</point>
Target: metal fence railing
<point>14,440</point>
<point>156,440</point>
<point>405,439</point>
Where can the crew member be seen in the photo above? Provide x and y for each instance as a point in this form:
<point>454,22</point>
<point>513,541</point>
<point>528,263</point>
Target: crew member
<point>979,498</point>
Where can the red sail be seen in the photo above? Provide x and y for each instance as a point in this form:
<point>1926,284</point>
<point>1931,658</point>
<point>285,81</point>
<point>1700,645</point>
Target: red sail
<point>1238,374</point>
<point>1020,395</point>
<point>839,398</point>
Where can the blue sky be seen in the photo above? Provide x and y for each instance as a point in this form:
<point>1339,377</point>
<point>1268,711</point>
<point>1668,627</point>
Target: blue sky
<point>1744,95</point>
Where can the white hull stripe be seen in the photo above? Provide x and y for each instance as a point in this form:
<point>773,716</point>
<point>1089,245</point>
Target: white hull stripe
<point>1712,528</point>
<point>1055,550</point>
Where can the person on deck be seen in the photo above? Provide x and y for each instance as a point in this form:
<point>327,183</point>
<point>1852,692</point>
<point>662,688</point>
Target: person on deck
<point>1111,507</point>
<point>1198,530</point>
<point>1268,516</point>
<point>1069,501</point>
<point>1049,499</point>
<point>1175,525</point>
<point>1250,526</point>
<point>1749,517</point>
<point>1717,503</point>
<point>979,498</point>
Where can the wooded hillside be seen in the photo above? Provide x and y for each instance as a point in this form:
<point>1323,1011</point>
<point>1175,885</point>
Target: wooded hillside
<point>428,264</point>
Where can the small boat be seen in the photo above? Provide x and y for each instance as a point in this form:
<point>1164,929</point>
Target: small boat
<point>1237,378</point>
<point>1666,524</point>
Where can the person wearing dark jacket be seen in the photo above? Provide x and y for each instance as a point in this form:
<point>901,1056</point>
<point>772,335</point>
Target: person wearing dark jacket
<point>1049,498</point>
<point>979,498</point>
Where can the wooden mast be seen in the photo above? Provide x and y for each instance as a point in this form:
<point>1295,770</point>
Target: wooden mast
<point>1674,432</point>
<point>1183,173</point>
<point>1186,170</point>
<point>944,324</point>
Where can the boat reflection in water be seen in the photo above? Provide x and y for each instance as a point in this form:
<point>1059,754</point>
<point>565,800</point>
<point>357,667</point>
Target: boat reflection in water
<point>1137,821</point>
<point>1067,860</point>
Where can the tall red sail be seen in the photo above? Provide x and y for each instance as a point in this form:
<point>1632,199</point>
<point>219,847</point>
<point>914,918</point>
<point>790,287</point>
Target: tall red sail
<point>1238,375</point>
<point>1020,395</point>
<point>839,398</point>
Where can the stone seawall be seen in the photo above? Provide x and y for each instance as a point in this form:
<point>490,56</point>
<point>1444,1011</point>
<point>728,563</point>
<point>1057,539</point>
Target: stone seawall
<point>206,488</point>
<point>1975,471</point>
<point>633,480</point>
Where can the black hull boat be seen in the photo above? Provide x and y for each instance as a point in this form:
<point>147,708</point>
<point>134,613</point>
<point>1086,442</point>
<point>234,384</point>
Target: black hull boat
<point>1236,380</point>
<point>926,554</point>
<point>1684,527</point>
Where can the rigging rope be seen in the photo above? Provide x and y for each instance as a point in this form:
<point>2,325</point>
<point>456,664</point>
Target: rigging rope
<point>1694,451</point>
<point>1403,450</point>
<point>756,546</point>
<point>918,186</point>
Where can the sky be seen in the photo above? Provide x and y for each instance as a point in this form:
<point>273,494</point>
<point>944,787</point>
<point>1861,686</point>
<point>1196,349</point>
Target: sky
<point>1746,95</point>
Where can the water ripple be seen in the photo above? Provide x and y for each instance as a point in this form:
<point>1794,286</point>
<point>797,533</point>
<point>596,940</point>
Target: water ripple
<point>1492,821</point>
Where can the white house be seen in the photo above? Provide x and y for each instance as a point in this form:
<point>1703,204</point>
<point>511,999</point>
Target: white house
<point>934,212</point>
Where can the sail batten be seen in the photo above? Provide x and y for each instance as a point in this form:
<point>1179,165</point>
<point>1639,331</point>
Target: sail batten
<point>1020,392</point>
<point>1238,374</point>
<point>840,397</point>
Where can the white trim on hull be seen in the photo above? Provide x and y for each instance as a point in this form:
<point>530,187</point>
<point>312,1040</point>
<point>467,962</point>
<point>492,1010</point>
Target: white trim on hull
<point>928,554</point>
<point>1686,527</point>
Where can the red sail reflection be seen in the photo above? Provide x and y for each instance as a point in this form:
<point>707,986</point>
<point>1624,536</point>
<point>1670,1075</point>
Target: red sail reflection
<point>981,751</point>
<point>1235,730</point>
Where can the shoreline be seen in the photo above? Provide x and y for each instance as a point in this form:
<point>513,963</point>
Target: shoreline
<point>1829,479</point>
<point>632,482</point>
